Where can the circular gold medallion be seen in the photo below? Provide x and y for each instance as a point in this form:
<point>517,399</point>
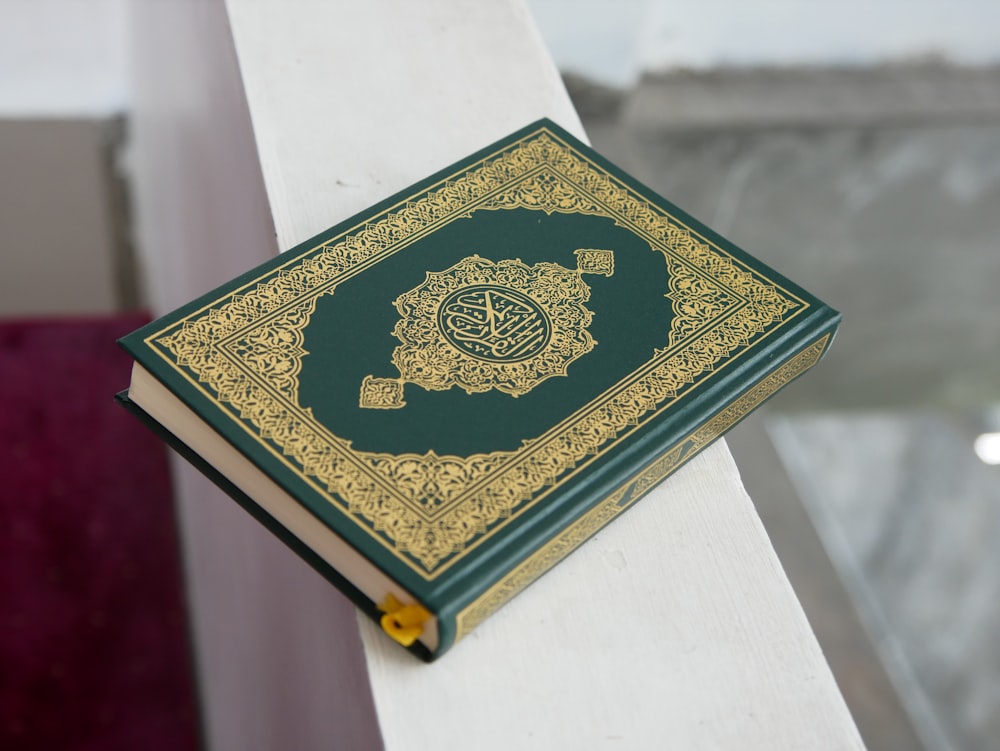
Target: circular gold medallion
<point>494,323</point>
<point>481,325</point>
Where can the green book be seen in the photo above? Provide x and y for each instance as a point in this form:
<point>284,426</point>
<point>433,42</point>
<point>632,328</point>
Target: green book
<point>437,400</point>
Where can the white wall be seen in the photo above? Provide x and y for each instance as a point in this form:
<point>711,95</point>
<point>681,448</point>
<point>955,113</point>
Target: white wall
<point>614,40</point>
<point>68,57</point>
<point>63,58</point>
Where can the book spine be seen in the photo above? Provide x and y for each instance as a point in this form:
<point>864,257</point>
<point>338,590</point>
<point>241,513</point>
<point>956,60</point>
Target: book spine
<point>634,488</point>
<point>355,595</point>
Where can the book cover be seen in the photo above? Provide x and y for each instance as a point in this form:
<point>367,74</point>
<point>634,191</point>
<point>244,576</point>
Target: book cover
<point>438,399</point>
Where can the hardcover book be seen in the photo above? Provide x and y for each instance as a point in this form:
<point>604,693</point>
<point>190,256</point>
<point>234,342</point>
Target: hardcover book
<point>440,398</point>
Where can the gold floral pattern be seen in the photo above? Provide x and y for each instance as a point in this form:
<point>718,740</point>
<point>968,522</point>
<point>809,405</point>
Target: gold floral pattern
<point>481,325</point>
<point>595,261</point>
<point>381,393</point>
<point>274,354</point>
<point>429,511</point>
<point>573,536</point>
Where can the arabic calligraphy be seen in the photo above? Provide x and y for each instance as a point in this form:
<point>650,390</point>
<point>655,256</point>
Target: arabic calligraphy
<point>483,325</point>
<point>494,323</point>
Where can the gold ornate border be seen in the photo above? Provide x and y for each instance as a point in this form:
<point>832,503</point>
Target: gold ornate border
<point>720,308</point>
<point>580,531</point>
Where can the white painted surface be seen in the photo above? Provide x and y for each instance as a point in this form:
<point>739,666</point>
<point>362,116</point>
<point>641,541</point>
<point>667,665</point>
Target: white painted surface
<point>676,626</point>
<point>352,102</point>
<point>678,622</point>
<point>63,58</point>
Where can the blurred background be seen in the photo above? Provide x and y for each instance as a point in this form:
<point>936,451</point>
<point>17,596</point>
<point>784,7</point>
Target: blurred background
<point>853,146</point>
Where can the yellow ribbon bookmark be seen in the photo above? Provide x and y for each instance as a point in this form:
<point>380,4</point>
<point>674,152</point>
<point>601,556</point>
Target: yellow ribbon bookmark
<point>404,623</point>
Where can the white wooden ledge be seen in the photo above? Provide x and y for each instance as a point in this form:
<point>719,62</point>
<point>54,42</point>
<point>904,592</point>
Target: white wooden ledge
<point>261,122</point>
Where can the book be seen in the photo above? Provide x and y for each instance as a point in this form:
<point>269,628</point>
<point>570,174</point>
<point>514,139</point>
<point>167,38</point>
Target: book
<point>437,400</point>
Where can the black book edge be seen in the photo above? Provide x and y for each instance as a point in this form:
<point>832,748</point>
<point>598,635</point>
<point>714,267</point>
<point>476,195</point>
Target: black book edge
<point>367,606</point>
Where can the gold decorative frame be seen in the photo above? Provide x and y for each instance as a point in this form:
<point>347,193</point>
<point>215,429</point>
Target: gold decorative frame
<point>542,330</point>
<point>244,352</point>
<point>634,488</point>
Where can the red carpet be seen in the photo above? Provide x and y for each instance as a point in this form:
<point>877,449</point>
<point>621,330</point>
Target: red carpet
<point>93,645</point>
